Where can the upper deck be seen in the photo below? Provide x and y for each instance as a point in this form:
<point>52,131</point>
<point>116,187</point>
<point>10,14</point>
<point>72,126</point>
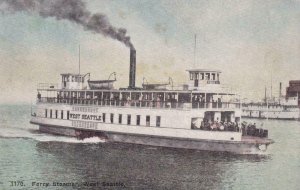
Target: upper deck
<point>170,99</point>
<point>202,91</point>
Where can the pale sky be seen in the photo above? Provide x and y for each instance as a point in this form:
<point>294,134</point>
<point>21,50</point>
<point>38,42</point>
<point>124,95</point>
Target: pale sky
<point>249,40</point>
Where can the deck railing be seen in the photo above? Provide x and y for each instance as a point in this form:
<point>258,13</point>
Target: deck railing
<point>142,104</point>
<point>46,86</point>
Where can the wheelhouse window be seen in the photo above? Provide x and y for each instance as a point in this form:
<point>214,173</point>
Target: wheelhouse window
<point>202,76</point>
<point>207,76</point>
<point>46,112</point>
<point>62,114</point>
<point>213,76</point>
<point>148,120</point>
<point>56,113</point>
<point>138,120</point>
<point>157,121</point>
<point>128,119</point>
<point>50,113</point>
<point>68,115</point>
<point>191,76</point>
<point>196,83</point>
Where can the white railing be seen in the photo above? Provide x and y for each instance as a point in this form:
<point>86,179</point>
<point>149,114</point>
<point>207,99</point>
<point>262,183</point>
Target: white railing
<point>142,104</point>
<point>45,86</point>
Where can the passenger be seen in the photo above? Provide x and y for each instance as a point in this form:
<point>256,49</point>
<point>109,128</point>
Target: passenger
<point>128,101</point>
<point>57,97</point>
<point>244,131</point>
<point>221,127</point>
<point>158,102</point>
<point>202,125</point>
<point>225,126</point>
<point>237,127</point>
<point>213,126</point>
<point>206,125</point>
<point>39,96</point>
<point>218,126</point>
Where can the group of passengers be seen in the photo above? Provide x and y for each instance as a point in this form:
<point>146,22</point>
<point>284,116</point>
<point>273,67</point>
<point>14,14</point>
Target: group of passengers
<point>249,129</point>
<point>219,126</point>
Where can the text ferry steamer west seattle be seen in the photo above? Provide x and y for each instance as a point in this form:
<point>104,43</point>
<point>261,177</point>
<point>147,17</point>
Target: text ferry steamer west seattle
<point>199,115</point>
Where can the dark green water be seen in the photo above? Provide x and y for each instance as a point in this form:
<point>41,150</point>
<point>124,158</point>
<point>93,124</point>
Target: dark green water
<point>28,156</point>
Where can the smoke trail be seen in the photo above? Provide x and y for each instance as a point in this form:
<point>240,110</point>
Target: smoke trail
<point>71,10</point>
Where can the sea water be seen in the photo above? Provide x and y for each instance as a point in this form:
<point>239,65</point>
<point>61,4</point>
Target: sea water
<point>33,160</point>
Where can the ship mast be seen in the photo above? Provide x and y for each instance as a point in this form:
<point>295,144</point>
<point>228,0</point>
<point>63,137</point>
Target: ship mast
<point>195,46</point>
<point>79,59</point>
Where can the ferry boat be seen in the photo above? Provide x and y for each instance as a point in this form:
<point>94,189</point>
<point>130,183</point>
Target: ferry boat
<point>283,107</point>
<point>201,114</point>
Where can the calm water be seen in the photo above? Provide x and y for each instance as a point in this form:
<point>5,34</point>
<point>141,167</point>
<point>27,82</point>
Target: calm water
<point>28,156</point>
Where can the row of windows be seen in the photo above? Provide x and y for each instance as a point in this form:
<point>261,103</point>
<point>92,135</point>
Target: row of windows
<point>55,114</point>
<point>138,117</point>
<point>129,120</point>
<point>202,76</point>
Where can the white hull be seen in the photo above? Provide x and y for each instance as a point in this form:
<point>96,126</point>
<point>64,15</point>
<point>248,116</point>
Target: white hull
<point>238,147</point>
<point>172,131</point>
<point>207,145</point>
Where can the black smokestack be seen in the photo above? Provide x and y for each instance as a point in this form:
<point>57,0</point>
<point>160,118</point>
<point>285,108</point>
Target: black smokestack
<point>132,68</point>
<point>280,89</point>
<point>71,10</point>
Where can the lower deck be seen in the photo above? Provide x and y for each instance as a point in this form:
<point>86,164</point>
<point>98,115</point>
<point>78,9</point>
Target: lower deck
<point>187,123</point>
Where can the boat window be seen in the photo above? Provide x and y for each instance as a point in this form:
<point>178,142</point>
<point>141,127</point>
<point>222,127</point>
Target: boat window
<point>128,119</point>
<point>157,121</point>
<point>111,118</point>
<point>138,120</point>
<point>62,114</point>
<point>120,118</point>
<point>213,76</point>
<point>196,82</point>
<point>50,113</point>
<point>202,76</point>
<point>103,117</point>
<point>148,120</point>
<point>207,76</point>
<point>46,112</point>
<point>191,76</point>
<point>56,114</point>
<point>68,115</point>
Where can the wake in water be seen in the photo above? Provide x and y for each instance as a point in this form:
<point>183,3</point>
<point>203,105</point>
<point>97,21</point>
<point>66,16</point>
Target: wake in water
<point>9,132</point>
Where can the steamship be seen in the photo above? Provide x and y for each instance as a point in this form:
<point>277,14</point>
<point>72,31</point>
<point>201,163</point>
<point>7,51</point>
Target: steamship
<point>283,107</point>
<point>201,114</point>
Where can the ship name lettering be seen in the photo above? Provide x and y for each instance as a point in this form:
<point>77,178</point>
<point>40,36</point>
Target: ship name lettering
<point>83,124</point>
<point>91,117</point>
<point>85,109</point>
<point>74,116</point>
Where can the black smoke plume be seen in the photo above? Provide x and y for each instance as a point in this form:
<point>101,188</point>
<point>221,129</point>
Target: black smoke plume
<point>71,10</point>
